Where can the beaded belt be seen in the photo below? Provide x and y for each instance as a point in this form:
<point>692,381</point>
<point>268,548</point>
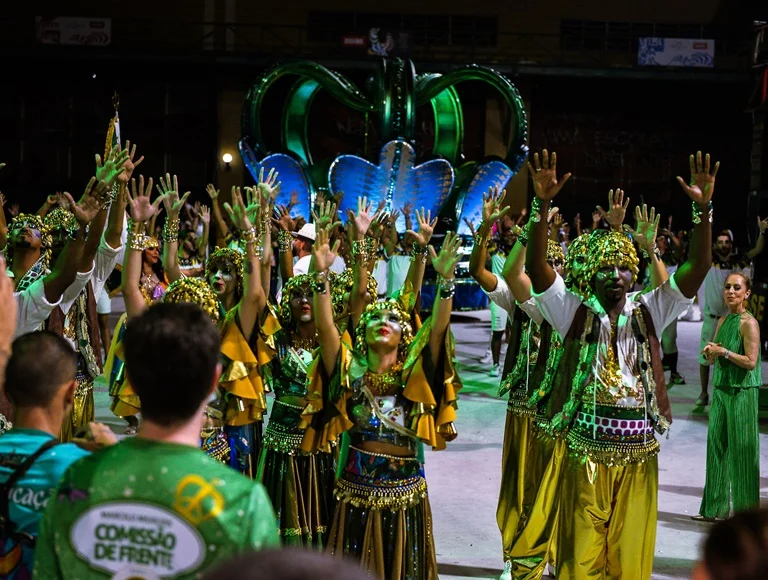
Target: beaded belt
<point>282,433</point>
<point>613,435</point>
<point>518,402</point>
<point>379,481</point>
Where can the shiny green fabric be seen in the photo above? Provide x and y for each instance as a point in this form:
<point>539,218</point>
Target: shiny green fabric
<point>726,373</point>
<point>154,509</point>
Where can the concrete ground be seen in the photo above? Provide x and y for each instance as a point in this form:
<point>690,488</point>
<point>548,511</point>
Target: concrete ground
<point>464,479</point>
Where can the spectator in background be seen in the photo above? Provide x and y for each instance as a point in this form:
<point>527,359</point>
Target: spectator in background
<point>158,484</point>
<point>725,261</point>
<point>40,382</point>
<point>287,565</point>
<point>736,549</point>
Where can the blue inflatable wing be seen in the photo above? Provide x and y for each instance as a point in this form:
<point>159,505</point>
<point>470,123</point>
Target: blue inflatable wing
<point>487,176</point>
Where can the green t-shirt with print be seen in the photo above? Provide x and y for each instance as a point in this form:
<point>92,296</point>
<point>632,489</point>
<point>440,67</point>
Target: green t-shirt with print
<point>144,509</point>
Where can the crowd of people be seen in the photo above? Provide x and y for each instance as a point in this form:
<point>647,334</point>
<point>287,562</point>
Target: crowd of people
<point>316,312</point>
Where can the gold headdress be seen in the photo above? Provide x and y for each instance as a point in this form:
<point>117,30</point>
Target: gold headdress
<point>607,248</point>
<point>403,318</point>
<point>342,284</point>
<point>555,252</point>
<point>284,313</point>
<point>219,258</point>
<point>150,243</point>
<point>194,291</point>
<point>579,247</point>
<point>46,240</point>
<point>61,219</point>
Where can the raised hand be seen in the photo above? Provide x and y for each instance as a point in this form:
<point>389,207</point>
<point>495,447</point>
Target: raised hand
<point>130,164</point>
<point>61,199</point>
<point>113,167</point>
<point>596,217</point>
<point>553,214</point>
<point>646,228</point>
<point>426,227</point>
<point>445,262</point>
<point>702,184</point>
<point>325,214</point>
<point>492,210</point>
<point>196,209</point>
<point>362,220</point>
<point>762,224</point>
<point>617,209</point>
<point>323,254</point>
<point>270,186</point>
<point>284,221</point>
<point>90,204</point>
<point>13,210</point>
<point>238,212</point>
<point>169,192</point>
<point>140,206</point>
<point>407,209</point>
<point>52,199</point>
<point>544,175</point>
<point>212,192</point>
<point>205,214</point>
<point>471,227</point>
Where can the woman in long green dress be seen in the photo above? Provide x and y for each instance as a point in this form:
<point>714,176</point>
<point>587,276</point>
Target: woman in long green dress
<point>733,441</point>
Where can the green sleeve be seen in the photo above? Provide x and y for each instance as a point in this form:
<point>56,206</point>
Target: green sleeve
<point>263,529</point>
<point>46,560</point>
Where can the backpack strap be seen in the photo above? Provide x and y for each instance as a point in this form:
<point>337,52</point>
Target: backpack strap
<point>6,525</point>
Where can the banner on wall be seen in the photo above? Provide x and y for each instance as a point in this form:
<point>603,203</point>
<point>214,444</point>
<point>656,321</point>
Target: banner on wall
<point>73,31</point>
<point>686,52</point>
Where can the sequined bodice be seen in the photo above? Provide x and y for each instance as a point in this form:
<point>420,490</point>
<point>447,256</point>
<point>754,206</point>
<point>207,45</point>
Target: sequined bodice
<point>379,418</point>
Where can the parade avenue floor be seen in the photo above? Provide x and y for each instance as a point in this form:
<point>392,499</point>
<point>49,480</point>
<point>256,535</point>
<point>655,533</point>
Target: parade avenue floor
<point>464,479</point>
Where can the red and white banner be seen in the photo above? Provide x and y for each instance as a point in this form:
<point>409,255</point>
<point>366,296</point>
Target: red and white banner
<point>73,30</point>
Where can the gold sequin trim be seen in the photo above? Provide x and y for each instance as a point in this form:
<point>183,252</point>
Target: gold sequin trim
<point>408,493</point>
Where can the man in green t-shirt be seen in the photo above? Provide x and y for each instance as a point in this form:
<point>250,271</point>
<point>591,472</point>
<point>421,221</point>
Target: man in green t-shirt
<point>156,506</point>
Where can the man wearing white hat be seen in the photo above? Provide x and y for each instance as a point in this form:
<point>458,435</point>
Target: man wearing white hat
<point>302,248</point>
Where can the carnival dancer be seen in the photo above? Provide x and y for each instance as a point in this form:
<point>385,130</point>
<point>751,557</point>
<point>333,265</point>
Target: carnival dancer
<point>733,439</point>
<point>299,483</point>
<point>535,542</point>
<point>75,318</point>
<point>231,275</point>
<point>610,392</point>
<point>391,392</point>
<point>38,290</point>
<point>243,400</point>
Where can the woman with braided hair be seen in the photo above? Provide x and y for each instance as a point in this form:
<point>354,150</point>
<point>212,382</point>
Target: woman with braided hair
<point>299,483</point>
<point>391,392</point>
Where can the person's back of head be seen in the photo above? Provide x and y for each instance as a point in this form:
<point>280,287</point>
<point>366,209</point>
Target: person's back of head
<point>42,364</point>
<point>737,549</point>
<point>287,564</point>
<point>171,358</point>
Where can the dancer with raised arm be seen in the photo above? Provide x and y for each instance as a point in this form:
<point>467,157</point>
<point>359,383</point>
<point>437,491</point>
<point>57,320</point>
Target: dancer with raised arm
<point>391,392</point>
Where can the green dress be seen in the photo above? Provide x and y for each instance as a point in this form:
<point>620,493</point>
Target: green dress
<point>733,440</point>
<point>149,509</point>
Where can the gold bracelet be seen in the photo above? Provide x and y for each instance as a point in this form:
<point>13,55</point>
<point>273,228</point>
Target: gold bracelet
<point>137,227</point>
<point>284,241</point>
<point>171,230</point>
<point>137,241</point>
<point>249,236</point>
